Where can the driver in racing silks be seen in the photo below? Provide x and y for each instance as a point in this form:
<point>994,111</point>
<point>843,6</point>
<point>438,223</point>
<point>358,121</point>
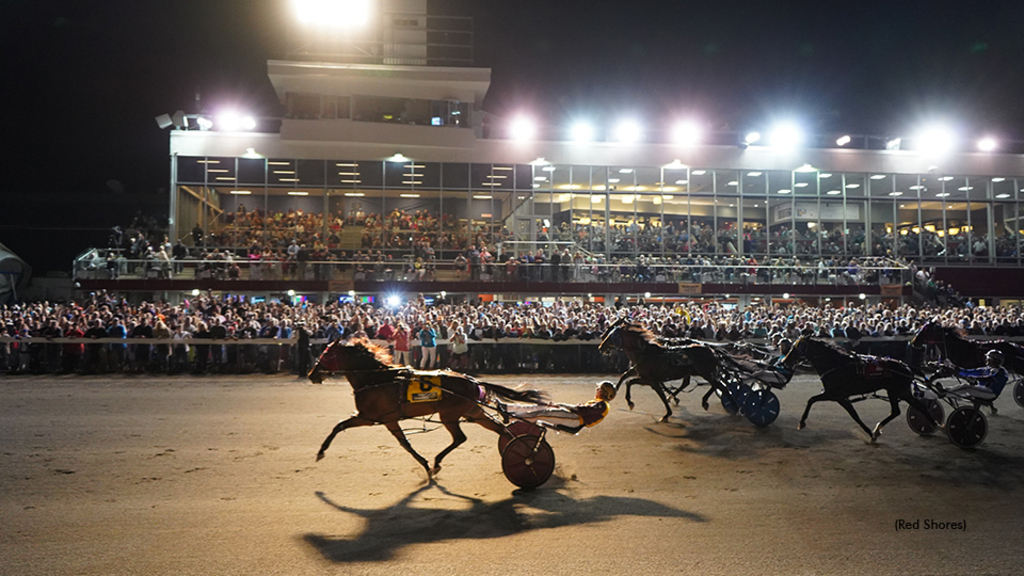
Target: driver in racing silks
<point>565,417</point>
<point>985,383</point>
<point>776,372</point>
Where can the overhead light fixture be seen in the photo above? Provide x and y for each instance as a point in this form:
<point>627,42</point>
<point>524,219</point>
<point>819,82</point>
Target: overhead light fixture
<point>398,157</point>
<point>825,175</point>
<point>853,185</point>
<point>752,138</point>
<point>355,194</point>
<point>801,185</point>
<point>1003,195</point>
<point>998,179</point>
<point>241,192</point>
<point>482,197</point>
<point>783,191</point>
<point>522,128</point>
<point>755,174</point>
<point>698,172</point>
<point>298,193</point>
<point>409,195</point>
<point>843,140</point>
<point>877,176</point>
<point>895,193</point>
<point>625,170</point>
<point>834,192</point>
<point>987,144</point>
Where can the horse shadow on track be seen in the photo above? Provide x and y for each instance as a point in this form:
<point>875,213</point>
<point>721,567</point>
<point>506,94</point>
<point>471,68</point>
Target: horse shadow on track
<point>389,529</point>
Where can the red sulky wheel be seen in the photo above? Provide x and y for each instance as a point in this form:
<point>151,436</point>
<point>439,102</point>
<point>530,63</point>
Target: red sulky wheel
<point>517,428</point>
<point>528,461</point>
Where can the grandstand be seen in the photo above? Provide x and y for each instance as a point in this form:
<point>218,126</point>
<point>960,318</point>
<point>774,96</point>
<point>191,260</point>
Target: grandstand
<point>385,173</point>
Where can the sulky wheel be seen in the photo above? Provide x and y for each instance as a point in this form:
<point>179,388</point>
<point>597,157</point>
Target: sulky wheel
<point>1018,392</point>
<point>761,407</point>
<point>920,423</point>
<point>517,428</point>
<point>733,401</point>
<point>528,461</point>
<point>966,427</point>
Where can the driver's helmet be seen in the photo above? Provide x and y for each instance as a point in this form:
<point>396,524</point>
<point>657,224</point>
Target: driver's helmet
<point>996,355</point>
<point>608,389</point>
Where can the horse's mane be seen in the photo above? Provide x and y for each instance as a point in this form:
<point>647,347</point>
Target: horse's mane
<point>380,353</point>
<point>645,334</point>
<point>835,348</point>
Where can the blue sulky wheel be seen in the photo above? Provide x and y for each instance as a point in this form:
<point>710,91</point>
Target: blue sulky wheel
<point>966,427</point>
<point>528,461</point>
<point>1018,392</point>
<point>919,423</point>
<point>761,407</point>
<point>733,401</point>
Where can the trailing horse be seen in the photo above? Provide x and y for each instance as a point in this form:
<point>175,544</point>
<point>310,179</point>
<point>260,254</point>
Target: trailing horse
<point>653,363</point>
<point>386,394</point>
<point>968,353</point>
<point>845,374</point>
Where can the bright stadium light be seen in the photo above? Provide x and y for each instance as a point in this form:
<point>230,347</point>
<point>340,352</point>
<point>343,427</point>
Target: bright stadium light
<point>752,138</point>
<point>786,136</point>
<point>935,141</point>
<point>988,144</point>
<point>393,301</point>
<point>333,13</point>
<point>628,132</point>
<point>522,128</point>
<point>581,132</point>
<point>843,140</point>
<point>233,122</point>
<point>686,133</point>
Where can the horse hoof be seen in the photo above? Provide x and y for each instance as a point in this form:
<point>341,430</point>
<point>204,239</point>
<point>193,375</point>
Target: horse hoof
<point>319,456</point>
<point>630,405</point>
<point>800,426</point>
<point>435,471</point>
<point>705,405</point>
<point>664,418</point>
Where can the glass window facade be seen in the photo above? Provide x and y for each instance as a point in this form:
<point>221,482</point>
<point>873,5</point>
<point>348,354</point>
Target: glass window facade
<point>433,209</point>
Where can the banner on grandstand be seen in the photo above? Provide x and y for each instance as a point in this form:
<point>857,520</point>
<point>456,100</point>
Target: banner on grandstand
<point>690,289</point>
<point>892,289</point>
<point>340,285</point>
<point>808,211</point>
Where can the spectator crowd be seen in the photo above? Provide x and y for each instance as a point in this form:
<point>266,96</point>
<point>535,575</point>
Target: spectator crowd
<point>473,337</point>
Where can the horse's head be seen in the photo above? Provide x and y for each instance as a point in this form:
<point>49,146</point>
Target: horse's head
<point>797,351</point>
<point>930,333</point>
<point>612,337</point>
<point>352,355</point>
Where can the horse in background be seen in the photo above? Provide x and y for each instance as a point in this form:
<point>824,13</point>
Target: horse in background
<point>653,363</point>
<point>845,374</point>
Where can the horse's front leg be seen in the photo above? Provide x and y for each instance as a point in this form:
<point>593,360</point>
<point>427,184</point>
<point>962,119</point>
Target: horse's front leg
<point>625,375</point>
<point>396,430</point>
<point>683,386</point>
<point>845,403</point>
<point>351,422</point>
<point>660,390</point>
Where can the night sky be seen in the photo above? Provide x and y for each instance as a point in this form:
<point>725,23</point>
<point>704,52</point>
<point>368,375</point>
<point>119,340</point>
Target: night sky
<point>84,80</point>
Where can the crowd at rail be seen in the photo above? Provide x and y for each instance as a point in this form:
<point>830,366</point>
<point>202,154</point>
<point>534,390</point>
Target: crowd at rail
<point>204,335</point>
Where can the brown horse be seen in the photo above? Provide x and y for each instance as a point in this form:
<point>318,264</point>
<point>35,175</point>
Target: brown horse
<point>386,394</point>
<point>653,364</point>
<point>968,353</point>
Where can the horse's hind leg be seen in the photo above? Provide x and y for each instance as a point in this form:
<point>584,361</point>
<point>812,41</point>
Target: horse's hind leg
<point>683,386</point>
<point>396,431</point>
<point>351,422</point>
<point>845,403</point>
<point>894,401</point>
<point>660,390</point>
<point>458,437</point>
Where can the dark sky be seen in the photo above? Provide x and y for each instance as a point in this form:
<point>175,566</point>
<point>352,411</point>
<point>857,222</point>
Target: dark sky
<point>83,80</point>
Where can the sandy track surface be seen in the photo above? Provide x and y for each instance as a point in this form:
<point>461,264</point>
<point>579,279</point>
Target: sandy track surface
<point>102,476</point>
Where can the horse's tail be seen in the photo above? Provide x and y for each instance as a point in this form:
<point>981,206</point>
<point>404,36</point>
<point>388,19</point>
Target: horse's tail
<point>521,393</point>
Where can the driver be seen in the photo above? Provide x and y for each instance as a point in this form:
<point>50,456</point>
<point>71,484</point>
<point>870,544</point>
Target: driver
<point>566,417</point>
<point>985,383</point>
<point>776,372</point>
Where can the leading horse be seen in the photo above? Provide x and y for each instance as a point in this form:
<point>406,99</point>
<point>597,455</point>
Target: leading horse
<point>845,374</point>
<point>653,363</point>
<point>386,394</point>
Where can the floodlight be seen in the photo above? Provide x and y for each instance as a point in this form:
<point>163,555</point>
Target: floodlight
<point>843,140</point>
<point>987,144</point>
<point>195,291</point>
<point>627,132</point>
<point>893,144</point>
<point>935,141</point>
<point>786,136</point>
<point>582,132</point>
<point>752,138</point>
<point>333,13</point>
<point>248,123</point>
<point>204,123</point>
<point>291,293</point>
<point>393,301</point>
<point>233,121</point>
<point>522,128</point>
<point>862,296</point>
<point>686,133</point>
<point>164,121</point>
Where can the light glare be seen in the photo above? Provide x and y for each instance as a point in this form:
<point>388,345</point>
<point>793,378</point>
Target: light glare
<point>987,144</point>
<point>333,13</point>
<point>582,132</point>
<point>523,128</point>
<point>628,132</point>
<point>935,141</point>
<point>686,133</point>
<point>786,136</point>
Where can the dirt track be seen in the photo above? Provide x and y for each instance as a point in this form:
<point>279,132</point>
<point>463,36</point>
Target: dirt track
<point>217,476</point>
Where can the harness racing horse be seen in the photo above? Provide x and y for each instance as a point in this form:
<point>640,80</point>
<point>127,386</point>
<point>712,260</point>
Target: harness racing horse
<point>386,394</point>
<point>653,363</point>
<point>844,374</point>
<point>968,353</point>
